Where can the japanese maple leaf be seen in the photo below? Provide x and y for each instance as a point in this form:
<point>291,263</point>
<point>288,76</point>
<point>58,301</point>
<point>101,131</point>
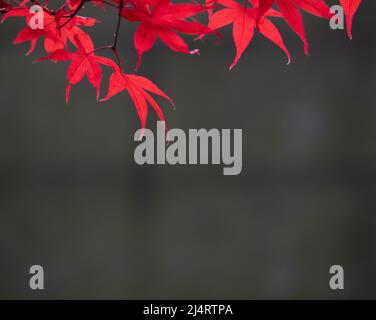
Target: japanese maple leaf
<point>350,7</point>
<point>163,19</point>
<point>291,13</point>
<point>210,7</point>
<point>73,4</point>
<point>58,28</point>
<point>139,89</point>
<point>243,20</point>
<point>4,6</point>
<point>84,62</point>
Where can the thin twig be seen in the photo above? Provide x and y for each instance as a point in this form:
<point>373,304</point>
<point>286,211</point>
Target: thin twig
<point>113,46</point>
<point>116,35</point>
<point>74,13</point>
<point>51,12</point>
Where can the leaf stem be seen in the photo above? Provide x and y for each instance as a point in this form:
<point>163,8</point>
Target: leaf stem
<point>77,10</point>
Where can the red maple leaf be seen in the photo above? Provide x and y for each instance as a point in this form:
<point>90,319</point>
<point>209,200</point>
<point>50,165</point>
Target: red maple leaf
<point>74,4</point>
<point>4,6</point>
<point>139,89</point>
<point>243,20</point>
<point>84,62</point>
<point>57,30</point>
<point>163,19</point>
<point>291,13</point>
<point>350,7</point>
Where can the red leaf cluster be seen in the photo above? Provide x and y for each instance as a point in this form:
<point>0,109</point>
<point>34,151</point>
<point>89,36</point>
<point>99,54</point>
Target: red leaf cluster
<point>65,39</point>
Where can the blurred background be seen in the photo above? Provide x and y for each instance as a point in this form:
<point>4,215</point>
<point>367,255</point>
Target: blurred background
<point>73,200</point>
